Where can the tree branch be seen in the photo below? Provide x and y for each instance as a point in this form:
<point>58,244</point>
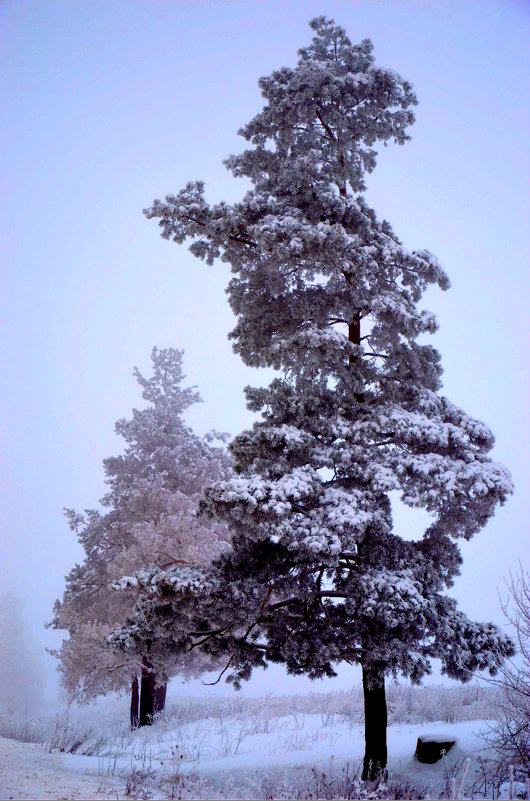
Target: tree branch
<point>233,237</point>
<point>326,127</point>
<point>220,676</point>
<point>208,636</point>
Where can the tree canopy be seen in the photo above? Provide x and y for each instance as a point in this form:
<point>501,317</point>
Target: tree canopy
<point>148,518</point>
<point>325,293</point>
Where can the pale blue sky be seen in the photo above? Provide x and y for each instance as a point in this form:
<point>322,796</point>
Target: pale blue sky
<point>107,105</point>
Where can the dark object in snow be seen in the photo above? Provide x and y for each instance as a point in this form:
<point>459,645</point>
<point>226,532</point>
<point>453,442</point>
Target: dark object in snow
<point>431,747</point>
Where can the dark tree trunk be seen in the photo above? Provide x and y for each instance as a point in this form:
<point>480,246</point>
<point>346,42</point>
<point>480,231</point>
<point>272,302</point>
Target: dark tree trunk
<point>135,698</point>
<point>375,712</point>
<point>160,698</point>
<point>375,721</point>
<point>147,693</point>
<point>354,335</point>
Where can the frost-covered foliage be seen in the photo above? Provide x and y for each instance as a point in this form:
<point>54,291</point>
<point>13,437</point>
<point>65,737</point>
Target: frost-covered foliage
<point>326,293</point>
<point>149,519</point>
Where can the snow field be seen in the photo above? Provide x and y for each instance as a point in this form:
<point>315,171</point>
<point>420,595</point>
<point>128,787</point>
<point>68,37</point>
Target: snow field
<point>298,757</point>
<point>274,747</point>
<point>28,770</point>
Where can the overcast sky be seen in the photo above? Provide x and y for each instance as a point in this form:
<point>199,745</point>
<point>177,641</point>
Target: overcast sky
<point>109,104</point>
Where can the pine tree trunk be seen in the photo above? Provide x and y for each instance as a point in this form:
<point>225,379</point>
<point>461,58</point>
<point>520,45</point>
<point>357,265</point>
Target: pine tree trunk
<point>147,693</point>
<point>375,712</point>
<point>354,335</point>
<point>375,722</point>
<point>160,698</point>
<point>135,699</point>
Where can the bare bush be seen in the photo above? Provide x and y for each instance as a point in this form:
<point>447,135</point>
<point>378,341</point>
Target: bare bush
<point>510,735</point>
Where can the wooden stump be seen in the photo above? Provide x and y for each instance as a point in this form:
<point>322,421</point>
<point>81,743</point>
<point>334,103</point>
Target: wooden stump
<point>431,747</point>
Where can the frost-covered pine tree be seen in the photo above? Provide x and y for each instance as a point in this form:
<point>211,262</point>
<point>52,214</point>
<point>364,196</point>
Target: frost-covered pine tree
<point>326,293</point>
<point>154,487</point>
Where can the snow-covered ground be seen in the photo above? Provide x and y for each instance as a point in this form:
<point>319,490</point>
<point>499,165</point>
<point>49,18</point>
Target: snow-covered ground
<point>219,750</point>
<point>230,758</point>
<point>27,770</point>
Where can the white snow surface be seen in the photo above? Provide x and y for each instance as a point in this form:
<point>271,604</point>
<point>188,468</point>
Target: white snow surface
<point>27,770</point>
<point>231,754</point>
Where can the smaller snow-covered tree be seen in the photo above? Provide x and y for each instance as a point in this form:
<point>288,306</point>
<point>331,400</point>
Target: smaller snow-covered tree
<point>149,519</point>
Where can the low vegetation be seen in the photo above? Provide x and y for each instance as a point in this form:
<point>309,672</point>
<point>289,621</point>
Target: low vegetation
<point>168,759</point>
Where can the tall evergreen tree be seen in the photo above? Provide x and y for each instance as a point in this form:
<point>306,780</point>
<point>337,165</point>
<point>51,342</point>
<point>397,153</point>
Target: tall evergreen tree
<point>153,489</point>
<point>326,293</point>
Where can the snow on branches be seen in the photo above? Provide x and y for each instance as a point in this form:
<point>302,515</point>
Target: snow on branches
<point>149,520</point>
<point>326,293</point>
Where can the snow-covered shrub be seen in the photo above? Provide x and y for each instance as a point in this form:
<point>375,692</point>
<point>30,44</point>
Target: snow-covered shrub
<point>510,734</point>
<point>409,704</point>
<point>25,730</point>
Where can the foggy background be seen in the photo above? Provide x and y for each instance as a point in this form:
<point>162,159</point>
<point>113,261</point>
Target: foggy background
<point>107,105</point>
